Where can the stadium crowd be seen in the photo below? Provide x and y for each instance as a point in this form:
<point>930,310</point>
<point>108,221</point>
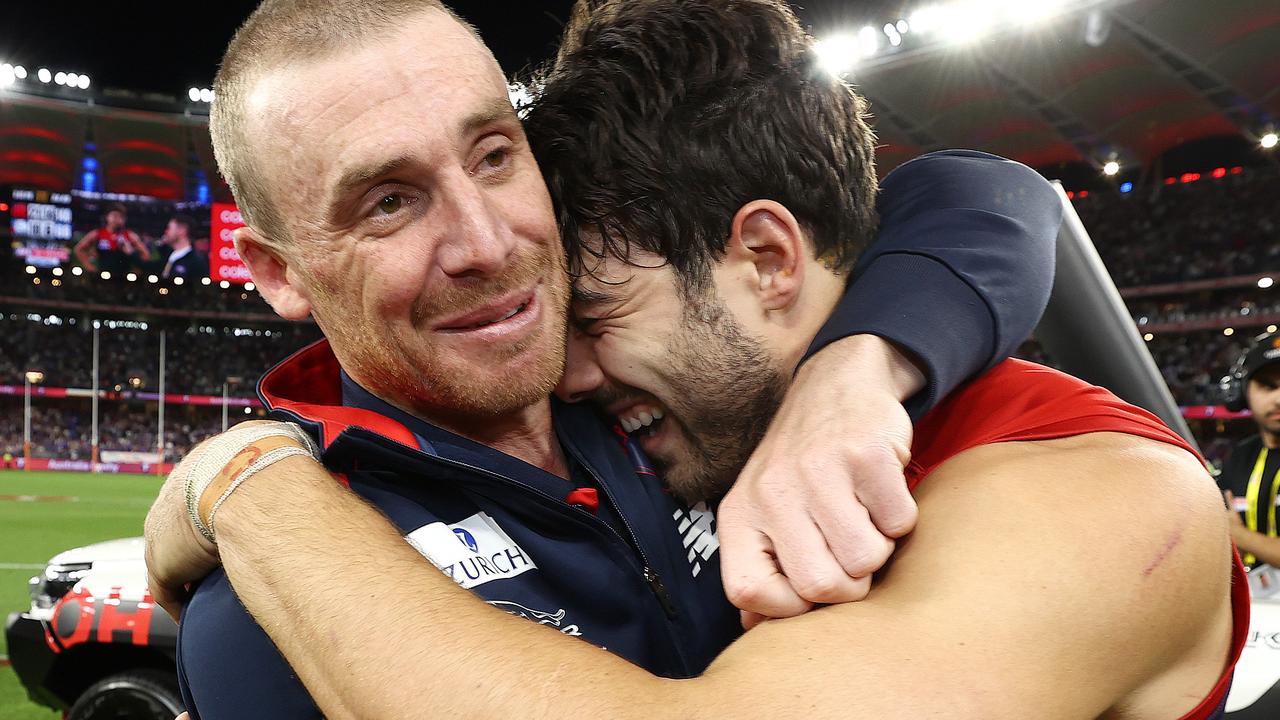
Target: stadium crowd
<point>198,357</point>
<point>62,428</point>
<point>1208,227</point>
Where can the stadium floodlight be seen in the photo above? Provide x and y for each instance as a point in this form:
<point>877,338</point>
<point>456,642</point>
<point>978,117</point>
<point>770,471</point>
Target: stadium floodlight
<point>250,287</point>
<point>206,95</point>
<point>1269,140</point>
<point>35,377</point>
<point>1148,337</point>
<point>869,41</point>
<point>1229,331</point>
<point>205,281</point>
<point>224,284</point>
<point>7,76</point>
<point>20,72</point>
<point>60,78</point>
<point>1266,282</point>
<point>106,274</point>
<point>84,82</point>
<point>135,382</point>
<point>1271,328</point>
<point>924,20</point>
<point>178,280</point>
<point>1111,168</point>
<point>77,271</point>
<point>1034,12</point>
<point>73,80</point>
<point>131,277</point>
<point>57,272</point>
<point>902,26</point>
<point>837,54</point>
<point>44,75</point>
<point>194,94</point>
<point>31,270</point>
<point>891,32</point>
<point>964,23</point>
<point>153,278</point>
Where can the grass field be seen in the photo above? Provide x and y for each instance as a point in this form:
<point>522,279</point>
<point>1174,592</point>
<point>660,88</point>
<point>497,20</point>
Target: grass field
<point>44,513</point>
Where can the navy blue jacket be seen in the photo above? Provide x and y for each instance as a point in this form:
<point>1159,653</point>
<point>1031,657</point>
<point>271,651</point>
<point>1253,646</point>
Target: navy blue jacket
<point>971,232</point>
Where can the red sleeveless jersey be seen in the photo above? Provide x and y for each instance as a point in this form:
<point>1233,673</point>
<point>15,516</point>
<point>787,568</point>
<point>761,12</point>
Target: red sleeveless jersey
<point>1018,400</point>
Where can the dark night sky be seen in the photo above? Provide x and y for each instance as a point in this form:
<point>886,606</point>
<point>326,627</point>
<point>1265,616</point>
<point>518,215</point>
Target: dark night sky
<point>170,46</point>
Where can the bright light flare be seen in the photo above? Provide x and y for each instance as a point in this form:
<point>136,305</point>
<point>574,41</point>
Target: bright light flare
<point>1266,282</point>
<point>44,75</point>
<point>1111,168</point>
<point>1269,140</point>
<point>837,54</point>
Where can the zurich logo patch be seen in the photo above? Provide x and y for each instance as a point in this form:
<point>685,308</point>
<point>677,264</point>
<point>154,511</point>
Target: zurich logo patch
<point>467,539</point>
<point>456,550</point>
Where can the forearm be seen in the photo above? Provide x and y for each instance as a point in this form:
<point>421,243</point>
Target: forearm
<point>961,270</point>
<point>1266,549</point>
<point>292,565</point>
<point>859,358</point>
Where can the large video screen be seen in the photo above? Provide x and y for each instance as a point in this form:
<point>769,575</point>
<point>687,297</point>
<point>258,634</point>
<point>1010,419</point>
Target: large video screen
<point>121,234</point>
<point>42,227</point>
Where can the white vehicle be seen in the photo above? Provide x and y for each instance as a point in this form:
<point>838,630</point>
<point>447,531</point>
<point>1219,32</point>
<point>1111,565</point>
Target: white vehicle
<point>93,644</point>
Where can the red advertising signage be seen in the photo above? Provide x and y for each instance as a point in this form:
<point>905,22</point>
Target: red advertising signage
<point>224,261</point>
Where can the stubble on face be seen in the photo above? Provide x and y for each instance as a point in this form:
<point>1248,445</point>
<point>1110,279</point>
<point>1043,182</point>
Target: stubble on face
<point>403,363</point>
<point>1263,395</point>
<point>724,390</point>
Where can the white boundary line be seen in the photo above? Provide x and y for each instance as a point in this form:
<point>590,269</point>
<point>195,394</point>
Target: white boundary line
<point>22,566</point>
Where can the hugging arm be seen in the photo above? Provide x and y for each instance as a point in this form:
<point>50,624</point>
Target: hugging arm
<point>989,637</point>
<point>957,278</point>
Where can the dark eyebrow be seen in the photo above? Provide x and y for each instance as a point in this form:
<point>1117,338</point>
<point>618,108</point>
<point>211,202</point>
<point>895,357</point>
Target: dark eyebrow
<point>592,297</point>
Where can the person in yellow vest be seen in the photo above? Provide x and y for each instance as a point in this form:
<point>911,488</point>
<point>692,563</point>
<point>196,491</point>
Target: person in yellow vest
<point>1250,477</point>
<point>8,460</point>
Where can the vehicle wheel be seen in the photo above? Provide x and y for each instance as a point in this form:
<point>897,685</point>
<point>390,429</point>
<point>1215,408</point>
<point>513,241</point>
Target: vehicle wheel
<point>132,695</point>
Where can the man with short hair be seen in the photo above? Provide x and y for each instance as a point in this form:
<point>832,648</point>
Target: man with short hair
<point>184,260</point>
<point>391,195</point>
<point>112,247</point>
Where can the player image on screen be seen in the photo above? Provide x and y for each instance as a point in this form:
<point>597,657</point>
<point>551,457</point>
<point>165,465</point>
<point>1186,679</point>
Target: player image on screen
<point>112,247</point>
<point>184,260</point>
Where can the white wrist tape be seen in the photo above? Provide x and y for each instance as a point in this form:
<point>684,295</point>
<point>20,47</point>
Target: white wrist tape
<point>222,449</point>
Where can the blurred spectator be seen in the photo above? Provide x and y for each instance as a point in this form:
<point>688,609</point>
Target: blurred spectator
<point>199,357</point>
<point>62,428</point>
<point>1214,227</point>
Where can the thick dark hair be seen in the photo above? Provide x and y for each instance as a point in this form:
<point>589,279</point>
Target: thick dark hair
<point>659,119</point>
<point>115,207</point>
<point>185,221</point>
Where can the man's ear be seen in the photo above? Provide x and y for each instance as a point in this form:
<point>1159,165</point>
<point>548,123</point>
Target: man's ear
<point>271,274</point>
<point>767,237</point>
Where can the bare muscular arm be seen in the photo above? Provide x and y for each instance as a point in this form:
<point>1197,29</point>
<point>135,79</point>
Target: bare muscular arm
<point>1031,590</point>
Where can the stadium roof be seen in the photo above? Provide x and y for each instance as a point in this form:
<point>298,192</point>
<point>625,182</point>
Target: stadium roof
<point>1128,79</point>
<point>1133,79</point>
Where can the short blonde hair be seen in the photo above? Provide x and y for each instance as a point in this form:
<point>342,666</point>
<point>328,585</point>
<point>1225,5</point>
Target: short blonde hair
<point>277,33</point>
